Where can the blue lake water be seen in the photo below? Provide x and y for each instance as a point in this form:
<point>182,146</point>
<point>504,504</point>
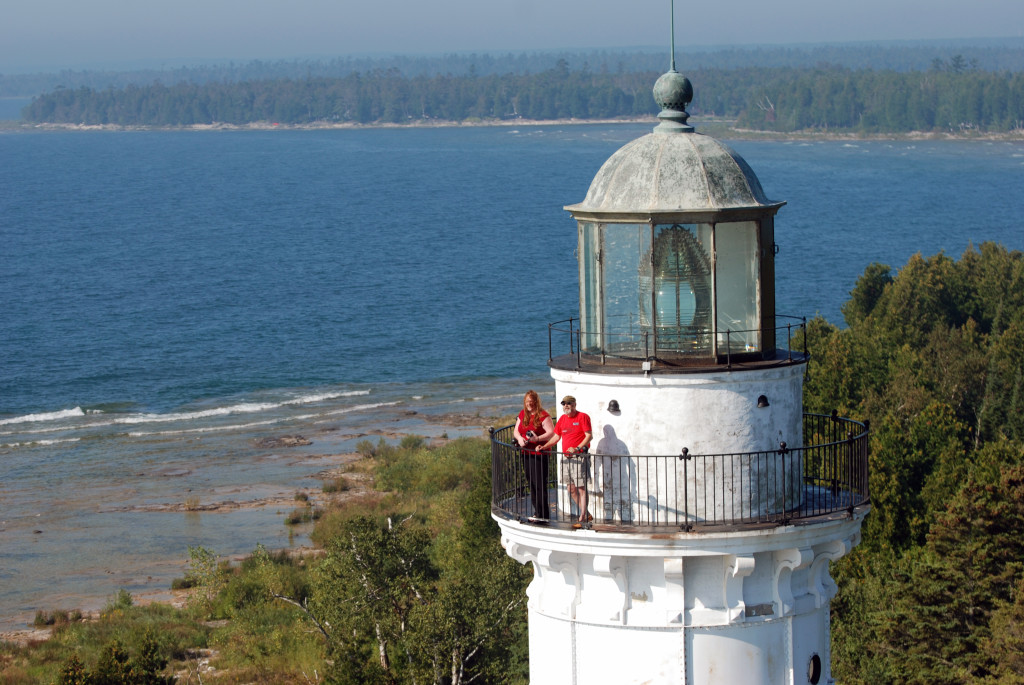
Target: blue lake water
<point>171,296</point>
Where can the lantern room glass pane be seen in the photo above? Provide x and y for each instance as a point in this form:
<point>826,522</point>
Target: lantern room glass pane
<point>590,298</point>
<point>680,288</point>
<point>736,282</point>
<point>622,249</point>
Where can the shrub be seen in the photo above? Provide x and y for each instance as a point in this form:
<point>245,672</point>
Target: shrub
<point>183,583</point>
<point>339,484</point>
<point>303,515</point>
<point>412,442</point>
<point>370,451</point>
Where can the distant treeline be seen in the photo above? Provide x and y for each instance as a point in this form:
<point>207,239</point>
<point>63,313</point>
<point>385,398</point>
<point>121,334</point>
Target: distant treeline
<point>950,95</point>
<point>985,55</point>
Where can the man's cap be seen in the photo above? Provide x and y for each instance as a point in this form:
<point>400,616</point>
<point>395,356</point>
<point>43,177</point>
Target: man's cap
<point>569,398</point>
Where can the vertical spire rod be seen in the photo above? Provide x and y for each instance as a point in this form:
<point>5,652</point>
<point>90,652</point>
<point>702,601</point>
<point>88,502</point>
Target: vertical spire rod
<point>672,33</point>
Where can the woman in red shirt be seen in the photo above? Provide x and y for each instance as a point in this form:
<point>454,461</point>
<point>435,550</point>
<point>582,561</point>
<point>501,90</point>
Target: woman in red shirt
<point>534,428</point>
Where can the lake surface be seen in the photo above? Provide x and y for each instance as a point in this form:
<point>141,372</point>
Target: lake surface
<point>172,296</point>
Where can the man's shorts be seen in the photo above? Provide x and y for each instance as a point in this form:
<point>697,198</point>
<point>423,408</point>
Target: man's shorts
<point>576,469</point>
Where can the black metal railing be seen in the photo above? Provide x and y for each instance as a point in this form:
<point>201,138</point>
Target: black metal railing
<point>636,343</point>
<point>826,476</point>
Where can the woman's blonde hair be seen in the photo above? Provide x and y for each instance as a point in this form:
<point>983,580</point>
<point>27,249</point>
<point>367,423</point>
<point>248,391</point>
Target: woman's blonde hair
<point>538,409</point>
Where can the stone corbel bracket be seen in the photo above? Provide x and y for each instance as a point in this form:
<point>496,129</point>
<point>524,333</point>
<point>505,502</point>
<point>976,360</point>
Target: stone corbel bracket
<point>822,587</point>
<point>787,561</point>
<point>615,568</point>
<point>547,594</point>
<point>739,566</point>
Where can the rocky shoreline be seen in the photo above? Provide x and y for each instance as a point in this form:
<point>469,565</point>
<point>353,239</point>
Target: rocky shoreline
<point>340,464</point>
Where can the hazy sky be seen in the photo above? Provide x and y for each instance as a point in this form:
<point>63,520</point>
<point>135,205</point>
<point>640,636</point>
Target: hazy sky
<point>90,33</point>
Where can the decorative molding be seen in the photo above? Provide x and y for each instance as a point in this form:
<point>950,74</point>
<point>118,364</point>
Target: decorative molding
<point>615,568</point>
<point>675,590</point>
<point>558,562</point>
<point>787,561</point>
<point>739,566</point>
<point>822,586</point>
<point>525,554</point>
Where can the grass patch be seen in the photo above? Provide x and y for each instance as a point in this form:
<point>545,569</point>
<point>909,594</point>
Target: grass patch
<point>57,618</point>
<point>154,640</point>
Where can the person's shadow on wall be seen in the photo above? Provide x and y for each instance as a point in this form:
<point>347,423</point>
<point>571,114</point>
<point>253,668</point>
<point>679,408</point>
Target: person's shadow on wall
<point>618,477</point>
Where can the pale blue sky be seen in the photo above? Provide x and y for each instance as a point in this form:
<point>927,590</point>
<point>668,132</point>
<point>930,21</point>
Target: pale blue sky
<point>90,33</point>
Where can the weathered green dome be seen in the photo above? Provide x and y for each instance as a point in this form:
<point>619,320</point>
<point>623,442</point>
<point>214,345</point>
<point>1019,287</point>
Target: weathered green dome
<point>671,172</point>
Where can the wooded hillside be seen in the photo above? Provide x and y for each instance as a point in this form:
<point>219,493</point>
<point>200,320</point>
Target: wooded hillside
<point>934,357</point>
<point>950,96</point>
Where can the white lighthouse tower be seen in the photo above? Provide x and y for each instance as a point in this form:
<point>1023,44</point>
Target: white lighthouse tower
<point>717,503</point>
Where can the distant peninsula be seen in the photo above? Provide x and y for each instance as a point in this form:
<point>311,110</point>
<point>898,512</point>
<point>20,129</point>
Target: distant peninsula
<point>856,94</point>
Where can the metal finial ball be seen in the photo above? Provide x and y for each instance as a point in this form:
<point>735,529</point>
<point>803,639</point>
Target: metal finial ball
<point>673,91</point>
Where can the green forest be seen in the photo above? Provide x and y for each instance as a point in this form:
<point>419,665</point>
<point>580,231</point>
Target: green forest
<point>933,356</point>
<point>409,583</point>
<point>950,96</point>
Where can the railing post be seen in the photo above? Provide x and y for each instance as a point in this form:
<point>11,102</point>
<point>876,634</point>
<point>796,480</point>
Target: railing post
<point>783,450</point>
<point>849,471</point>
<point>728,347</point>
<point>684,456</point>
<point>579,349</point>
<point>551,349</point>
<point>863,460</point>
<point>803,326</point>
<point>494,467</point>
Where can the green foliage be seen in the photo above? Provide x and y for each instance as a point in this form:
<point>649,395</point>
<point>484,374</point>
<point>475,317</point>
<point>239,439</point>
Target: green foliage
<point>122,601</point>
<point>397,597</point>
<point>933,358</point>
<point>429,597</point>
<point>412,442</point>
<point>339,484</point>
<point>428,472</point>
<point>73,672</point>
<point>57,618</point>
<point>780,99</point>
<point>368,450</point>
<point>866,293</point>
<point>205,574</point>
<point>126,644</point>
<point>302,515</point>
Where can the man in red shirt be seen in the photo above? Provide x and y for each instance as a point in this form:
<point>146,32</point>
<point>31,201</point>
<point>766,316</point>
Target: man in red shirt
<point>574,430</point>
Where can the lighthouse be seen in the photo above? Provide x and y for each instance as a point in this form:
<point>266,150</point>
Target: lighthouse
<point>717,503</point>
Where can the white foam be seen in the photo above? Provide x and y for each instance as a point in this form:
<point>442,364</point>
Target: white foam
<point>327,396</point>
<point>137,419</point>
<point>495,397</point>
<point>257,424</point>
<point>207,429</point>
<point>243,408</point>
<point>36,443</point>
<point>361,407</point>
<point>48,416</point>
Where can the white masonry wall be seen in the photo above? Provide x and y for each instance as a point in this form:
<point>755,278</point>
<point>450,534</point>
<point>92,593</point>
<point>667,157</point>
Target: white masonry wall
<point>746,607</point>
<point>709,413</point>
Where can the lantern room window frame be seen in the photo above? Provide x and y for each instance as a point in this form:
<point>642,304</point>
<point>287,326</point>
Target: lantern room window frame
<point>639,294</point>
